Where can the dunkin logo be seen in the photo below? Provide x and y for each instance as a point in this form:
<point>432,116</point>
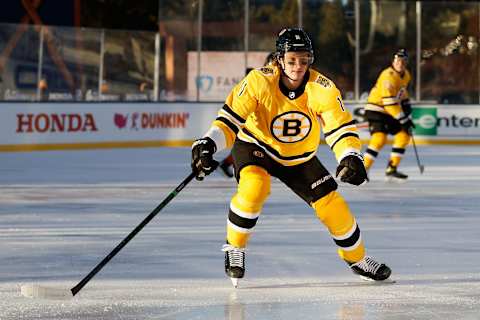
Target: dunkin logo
<point>146,120</point>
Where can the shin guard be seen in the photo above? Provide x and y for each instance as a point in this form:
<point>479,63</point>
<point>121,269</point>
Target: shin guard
<point>400,142</point>
<point>246,204</point>
<point>333,211</point>
<point>376,144</point>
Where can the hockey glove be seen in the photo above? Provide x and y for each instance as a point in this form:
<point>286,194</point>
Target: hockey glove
<point>352,170</point>
<point>406,107</point>
<point>202,157</point>
<point>407,124</point>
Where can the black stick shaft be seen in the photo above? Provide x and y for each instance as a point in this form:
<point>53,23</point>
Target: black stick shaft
<point>420,166</point>
<point>132,234</point>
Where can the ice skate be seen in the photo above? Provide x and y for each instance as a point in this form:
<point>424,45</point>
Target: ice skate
<point>371,270</point>
<point>234,263</point>
<point>392,175</point>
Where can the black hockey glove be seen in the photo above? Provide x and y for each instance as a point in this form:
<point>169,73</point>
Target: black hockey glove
<point>202,157</point>
<point>407,124</point>
<point>406,107</point>
<point>352,170</point>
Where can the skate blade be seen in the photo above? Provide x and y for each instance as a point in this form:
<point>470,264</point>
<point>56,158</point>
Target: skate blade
<point>386,281</point>
<point>395,180</point>
<point>234,282</point>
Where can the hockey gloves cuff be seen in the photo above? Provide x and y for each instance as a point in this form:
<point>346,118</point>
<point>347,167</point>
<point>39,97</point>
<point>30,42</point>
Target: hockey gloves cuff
<point>407,125</point>
<point>202,157</point>
<point>352,170</point>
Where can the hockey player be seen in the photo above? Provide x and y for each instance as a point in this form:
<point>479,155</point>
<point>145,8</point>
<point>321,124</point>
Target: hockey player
<point>388,112</point>
<point>273,119</point>
<point>226,165</point>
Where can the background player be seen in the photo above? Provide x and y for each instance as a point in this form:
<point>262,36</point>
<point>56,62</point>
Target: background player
<point>388,112</point>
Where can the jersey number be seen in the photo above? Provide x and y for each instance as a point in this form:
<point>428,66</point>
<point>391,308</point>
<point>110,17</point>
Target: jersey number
<point>341,104</point>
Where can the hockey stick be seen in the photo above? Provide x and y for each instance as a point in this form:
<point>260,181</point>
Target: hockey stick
<point>421,167</point>
<point>38,291</point>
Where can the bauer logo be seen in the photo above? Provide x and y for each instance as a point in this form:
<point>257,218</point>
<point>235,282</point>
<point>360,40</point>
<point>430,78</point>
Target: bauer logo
<point>425,120</point>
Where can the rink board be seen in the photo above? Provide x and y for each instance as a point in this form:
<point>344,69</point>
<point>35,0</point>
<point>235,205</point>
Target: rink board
<point>62,126</point>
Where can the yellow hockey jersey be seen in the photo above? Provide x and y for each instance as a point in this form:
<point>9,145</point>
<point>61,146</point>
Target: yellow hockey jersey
<point>285,123</point>
<point>388,93</point>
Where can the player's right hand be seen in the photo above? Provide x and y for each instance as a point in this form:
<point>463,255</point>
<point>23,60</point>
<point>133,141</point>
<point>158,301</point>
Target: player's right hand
<point>202,157</point>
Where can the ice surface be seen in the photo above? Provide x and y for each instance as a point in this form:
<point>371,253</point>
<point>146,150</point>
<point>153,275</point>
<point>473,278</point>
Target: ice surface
<point>62,212</point>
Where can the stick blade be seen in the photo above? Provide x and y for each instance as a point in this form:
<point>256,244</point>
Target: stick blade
<point>43,292</point>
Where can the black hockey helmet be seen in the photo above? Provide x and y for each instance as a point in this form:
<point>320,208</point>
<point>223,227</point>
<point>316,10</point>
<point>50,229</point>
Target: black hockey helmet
<point>293,39</point>
<point>401,53</point>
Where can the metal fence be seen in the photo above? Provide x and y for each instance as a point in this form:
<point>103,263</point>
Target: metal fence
<point>203,47</point>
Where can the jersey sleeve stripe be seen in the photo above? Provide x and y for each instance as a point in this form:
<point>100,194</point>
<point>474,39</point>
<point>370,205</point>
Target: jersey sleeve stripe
<point>346,134</point>
<point>351,123</point>
<point>374,104</point>
<point>231,118</point>
<point>230,112</point>
<point>374,107</point>
<point>332,138</point>
<point>389,101</point>
<point>229,124</point>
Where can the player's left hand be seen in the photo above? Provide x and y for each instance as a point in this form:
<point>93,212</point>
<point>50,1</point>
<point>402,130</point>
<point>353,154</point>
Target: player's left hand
<point>408,125</point>
<point>352,170</point>
<point>406,107</point>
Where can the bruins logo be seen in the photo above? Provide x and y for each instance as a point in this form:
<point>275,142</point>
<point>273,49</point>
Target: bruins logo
<point>291,127</point>
<point>266,70</point>
<point>324,82</point>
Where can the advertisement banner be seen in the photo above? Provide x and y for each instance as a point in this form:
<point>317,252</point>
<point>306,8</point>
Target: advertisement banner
<point>448,122</point>
<point>435,123</point>
<point>102,124</point>
<point>219,72</point>
<point>425,120</point>
<point>54,126</point>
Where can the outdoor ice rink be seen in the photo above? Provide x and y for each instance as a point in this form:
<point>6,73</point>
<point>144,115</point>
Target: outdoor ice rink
<point>62,212</point>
